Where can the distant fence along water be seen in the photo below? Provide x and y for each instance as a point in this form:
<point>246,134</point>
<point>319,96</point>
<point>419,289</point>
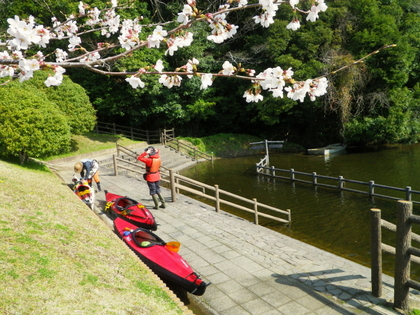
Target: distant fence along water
<point>343,184</point>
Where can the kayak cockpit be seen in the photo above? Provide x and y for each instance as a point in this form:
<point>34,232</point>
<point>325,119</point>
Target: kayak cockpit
<point>143,238</point>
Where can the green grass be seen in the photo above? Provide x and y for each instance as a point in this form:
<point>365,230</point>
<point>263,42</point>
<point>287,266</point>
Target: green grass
<point>91,142</point>
<point>58,257</point>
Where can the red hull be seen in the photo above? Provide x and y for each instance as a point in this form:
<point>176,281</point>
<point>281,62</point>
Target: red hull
<point>130,210</point>
<point>165,263</point>
<point>82,189</point>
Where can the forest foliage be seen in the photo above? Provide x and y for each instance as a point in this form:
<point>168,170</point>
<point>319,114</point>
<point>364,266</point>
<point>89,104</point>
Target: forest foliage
<point>376,101</point>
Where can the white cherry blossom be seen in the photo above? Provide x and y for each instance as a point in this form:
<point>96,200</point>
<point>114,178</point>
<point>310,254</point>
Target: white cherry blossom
<point>313,14</point>
<point>158,35</point>
<point>93,56</point>
<point>293,3</point>
<point>57,78</point>
<point>159,66</point>
<point>228,68</point>
<point>6,71</point>
<point>73,42</point>
<point>191,66</point>
<point>28,65</point>
<point>206,81</point>
<point>242,3</point>
<point>60,55</point>
<point>170,80</point>
<point>184,16</point>
<point>135,82</point>
<point>294,25</point>
<point>251,97</point>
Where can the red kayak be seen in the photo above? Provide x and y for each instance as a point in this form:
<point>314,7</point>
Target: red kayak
<point>162,258</point>
<point>83,190</point>
<point>131,210</point>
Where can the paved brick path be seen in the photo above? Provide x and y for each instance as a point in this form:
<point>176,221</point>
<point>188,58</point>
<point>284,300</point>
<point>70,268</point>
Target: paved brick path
<point>253,270</point>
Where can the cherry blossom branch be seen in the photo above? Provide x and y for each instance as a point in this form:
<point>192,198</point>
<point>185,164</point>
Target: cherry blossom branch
<point>360,60</point>
<point>25,34</point>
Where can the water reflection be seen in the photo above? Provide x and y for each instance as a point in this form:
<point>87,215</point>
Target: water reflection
<point>338,222</point>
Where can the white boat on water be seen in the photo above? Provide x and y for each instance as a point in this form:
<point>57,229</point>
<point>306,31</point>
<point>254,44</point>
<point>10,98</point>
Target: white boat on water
<point>327,150</point>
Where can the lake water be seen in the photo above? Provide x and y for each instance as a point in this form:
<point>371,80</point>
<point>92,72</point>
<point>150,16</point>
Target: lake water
<point>338,222</point>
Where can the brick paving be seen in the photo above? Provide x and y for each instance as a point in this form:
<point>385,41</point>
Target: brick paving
<point>253,270</point>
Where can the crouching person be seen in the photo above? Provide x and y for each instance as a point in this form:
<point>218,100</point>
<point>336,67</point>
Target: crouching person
<point>88,169</point>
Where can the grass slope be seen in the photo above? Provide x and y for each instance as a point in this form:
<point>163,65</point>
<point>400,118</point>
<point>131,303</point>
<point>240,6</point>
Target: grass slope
<point>57,256</point>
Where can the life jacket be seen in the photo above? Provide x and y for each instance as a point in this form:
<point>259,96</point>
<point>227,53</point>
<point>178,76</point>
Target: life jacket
<point>154,168</point>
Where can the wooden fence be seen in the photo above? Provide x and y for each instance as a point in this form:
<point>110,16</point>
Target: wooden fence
<point>403,251</point>
<point>368,188</point>
<point>179,183</point>
<point>169,140</point>
<point>150,136</point>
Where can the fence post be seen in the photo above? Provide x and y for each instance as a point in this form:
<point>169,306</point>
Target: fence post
<point>408,193</point>
<point>340,182</point>
<point>217,198</point>
<point>292,174</point>
<point>273,171</point>
<point>371,188</point>
<point>314,179</point>
<point>173,185</point>
<point>267,154</point>
<point>114,130</point>
<point>402,256</point>
<point>255,210</point>
<point>376,251</point>
<point>114,159</point>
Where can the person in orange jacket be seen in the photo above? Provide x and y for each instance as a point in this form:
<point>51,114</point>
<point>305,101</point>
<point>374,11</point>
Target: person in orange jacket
<point>151,158</point>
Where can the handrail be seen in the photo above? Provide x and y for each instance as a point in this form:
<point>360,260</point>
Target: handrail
<point>131,154</point>
<point>178,182</point>
<point>192,151</point>
<point>125,150</point>
<point>338,183</point>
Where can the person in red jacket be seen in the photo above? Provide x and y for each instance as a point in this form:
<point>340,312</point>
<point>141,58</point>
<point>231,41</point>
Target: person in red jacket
<point>151,158</point>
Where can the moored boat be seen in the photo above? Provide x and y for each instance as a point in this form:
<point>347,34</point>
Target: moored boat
<point>162,258</point>
<point>329,149</point>
<point>131,210</point>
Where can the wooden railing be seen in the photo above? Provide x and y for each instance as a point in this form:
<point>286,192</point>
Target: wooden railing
<point>403,251</point>
<point>150,136</point>
<point>267,144</point>
<point>179,146</point>
<point>262,163</point>
<point>179,183</point>
<point>123,149</point>
<point>340,183</point>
